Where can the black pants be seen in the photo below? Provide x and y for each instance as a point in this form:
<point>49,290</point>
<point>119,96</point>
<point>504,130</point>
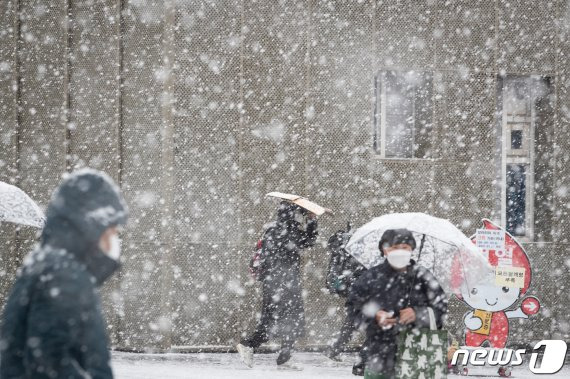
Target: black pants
<point>260,336</point>
<point>381,356</point>
<point>344,336</point>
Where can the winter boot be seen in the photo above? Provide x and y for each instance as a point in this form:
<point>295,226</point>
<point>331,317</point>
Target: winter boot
<point>358,369</point>
<point>246,354</point>
<point>284,356</point>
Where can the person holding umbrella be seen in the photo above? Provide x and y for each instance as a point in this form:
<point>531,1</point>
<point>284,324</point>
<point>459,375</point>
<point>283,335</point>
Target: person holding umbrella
<point>282,313</point>
<point>393,297</point>
<point>52,326</point>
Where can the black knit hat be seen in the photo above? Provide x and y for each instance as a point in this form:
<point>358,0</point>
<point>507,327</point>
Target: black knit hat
<point>393,237</point>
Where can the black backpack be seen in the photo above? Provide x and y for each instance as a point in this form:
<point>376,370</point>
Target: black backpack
<point>343,268</point>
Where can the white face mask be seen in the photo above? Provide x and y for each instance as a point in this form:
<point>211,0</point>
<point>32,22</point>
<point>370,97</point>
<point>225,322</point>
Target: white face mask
<point>399,258</point>
<point>115,250</point>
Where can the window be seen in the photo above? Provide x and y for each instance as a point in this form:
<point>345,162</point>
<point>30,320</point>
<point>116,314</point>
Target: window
<point>518,99</point>
<point>516,139</point>
<point>516,199</point>
<point>403,114</point>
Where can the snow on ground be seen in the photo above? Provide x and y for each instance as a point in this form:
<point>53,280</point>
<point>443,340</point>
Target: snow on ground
<point>222,366</point>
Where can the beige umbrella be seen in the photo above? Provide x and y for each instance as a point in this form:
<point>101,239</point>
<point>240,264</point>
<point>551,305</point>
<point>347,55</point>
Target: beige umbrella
<point>302,202</point>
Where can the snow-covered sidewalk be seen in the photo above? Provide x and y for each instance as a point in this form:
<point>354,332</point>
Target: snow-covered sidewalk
<point>222,366</point>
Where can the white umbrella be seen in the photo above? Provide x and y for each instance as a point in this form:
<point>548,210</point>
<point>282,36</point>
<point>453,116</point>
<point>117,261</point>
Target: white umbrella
<point>442,243</point>
<point>17,207</point>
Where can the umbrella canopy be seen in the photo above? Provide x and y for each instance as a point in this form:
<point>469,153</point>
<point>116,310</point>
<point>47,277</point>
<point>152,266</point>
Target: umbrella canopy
<point>442,242</point>
<point>17,207</point>
<point>302,202</point>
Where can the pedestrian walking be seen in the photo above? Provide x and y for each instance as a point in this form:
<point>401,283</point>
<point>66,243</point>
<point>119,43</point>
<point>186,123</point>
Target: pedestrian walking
<point>343,272</point>
<point>282,313</point>
<point>391,298</point>
<point>52,326</point>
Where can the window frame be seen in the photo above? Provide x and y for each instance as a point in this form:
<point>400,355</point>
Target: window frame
<point>379,118</point>
<point>510,156</point>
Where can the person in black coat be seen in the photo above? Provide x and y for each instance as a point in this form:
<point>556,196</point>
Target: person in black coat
<point>344,270</point>
<point>282,313</point>
<point>52,325</point>
<point>393,297</point>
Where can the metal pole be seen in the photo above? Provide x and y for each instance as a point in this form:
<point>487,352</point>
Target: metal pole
<point>118,317</point>
<point>120,43</point>
<point>167,160</point>
<point>18,135</point>
<point>66,114</point>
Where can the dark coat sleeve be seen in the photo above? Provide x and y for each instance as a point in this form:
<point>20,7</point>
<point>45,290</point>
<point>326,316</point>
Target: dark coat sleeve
<point>308,237</point>
<point>65,330</point>
<point>357,302</point>
<point>12,345</point>
<point>436,299</point>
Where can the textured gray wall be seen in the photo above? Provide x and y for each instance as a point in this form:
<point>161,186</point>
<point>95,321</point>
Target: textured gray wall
<point>180,101</point>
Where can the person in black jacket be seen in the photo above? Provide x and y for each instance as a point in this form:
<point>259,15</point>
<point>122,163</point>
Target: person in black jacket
<point>343,272</point>
<point>52,326</point>
<point>282,313</point>
<point>393,297</point>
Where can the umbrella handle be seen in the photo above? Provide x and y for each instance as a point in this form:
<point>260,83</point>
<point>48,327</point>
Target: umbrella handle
<point>414,281</point>
<point>421,247</point>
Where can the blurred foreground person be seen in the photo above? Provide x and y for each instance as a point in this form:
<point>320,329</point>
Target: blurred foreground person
<point>391,298</point>
<point>52,326</point>
<point>282,313</point>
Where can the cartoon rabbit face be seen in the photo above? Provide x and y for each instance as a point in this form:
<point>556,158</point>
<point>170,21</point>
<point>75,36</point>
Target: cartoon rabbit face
<point>489,297</point>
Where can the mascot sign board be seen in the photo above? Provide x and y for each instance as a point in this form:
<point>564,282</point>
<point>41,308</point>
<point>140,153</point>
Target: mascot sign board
<point>501,297</point>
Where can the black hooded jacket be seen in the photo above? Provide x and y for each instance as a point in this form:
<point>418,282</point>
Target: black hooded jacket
<point>52,325</point>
